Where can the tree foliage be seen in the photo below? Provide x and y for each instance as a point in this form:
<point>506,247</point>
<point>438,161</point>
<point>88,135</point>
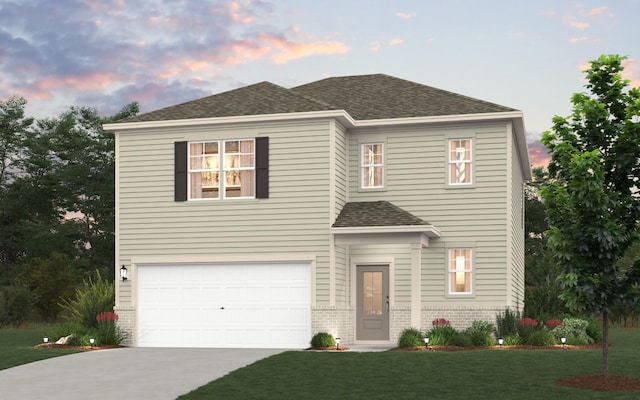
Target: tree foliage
<point>57,191</point>
<point>592,203</point>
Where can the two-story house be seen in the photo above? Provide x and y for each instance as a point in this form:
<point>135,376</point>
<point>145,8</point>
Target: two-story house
<point>357,205</point>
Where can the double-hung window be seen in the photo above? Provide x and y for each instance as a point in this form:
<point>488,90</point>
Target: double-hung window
<point>460,271</point>
<point>372,165</point>
<point>460,162</point>
<point>223,168</point>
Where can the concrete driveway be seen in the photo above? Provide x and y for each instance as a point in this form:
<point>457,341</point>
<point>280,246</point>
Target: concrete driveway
<point>132,373</point>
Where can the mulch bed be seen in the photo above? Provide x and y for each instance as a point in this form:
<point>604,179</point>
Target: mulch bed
<point>518,347</point>
<point>334,348</point>
<point>68,346</point>
<point>601,384</point>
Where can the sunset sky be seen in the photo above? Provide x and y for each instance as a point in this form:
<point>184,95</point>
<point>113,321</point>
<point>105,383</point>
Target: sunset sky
<point>523,54</point>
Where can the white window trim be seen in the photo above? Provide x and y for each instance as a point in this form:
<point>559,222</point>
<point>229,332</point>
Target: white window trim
<point>362,166</point>
<point>221,170</point>
<point>471,271</point>
<point>471,162</point>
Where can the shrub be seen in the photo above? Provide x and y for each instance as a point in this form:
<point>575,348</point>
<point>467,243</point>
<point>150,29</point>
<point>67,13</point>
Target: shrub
<point>574,329</point>
<point>480,333</point>
<point>481,339</point>
<point>481,326</point>
<point>460,339</point>
<point>411,337</point>
<point>321,340</point>
<point>526,326</point>
<point>594,331</point>
<point>541,338</point>
<point>511,340</point>
<point>441,335</point>
<point>15,305</point>
<point>90,300</point>
<point>507,323</point>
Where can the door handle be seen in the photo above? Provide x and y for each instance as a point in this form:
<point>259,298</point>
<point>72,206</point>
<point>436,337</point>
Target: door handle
<point>387,303</point>
<point>222,308</point>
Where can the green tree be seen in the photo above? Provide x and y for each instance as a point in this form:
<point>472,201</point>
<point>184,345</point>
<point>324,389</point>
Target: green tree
<point>592,203</point>
<point>13,127</point>
<point>52,281</point>
<point>542,290</point>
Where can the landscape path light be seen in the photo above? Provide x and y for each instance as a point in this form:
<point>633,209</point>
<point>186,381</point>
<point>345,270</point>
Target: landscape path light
<point>500,342</point>
<point>426,343</point>
<point>563,340</point>
<point>337,343</point>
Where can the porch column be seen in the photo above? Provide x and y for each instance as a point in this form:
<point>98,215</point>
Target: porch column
<point>416,283</point>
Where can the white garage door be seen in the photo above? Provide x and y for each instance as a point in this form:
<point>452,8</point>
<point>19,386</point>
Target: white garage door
<point>195,305</point>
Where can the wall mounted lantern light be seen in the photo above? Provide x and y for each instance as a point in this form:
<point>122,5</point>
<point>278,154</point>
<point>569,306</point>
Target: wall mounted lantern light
<point>123,272</point>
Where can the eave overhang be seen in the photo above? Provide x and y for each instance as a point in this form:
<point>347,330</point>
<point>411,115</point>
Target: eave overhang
<point>404,234</point>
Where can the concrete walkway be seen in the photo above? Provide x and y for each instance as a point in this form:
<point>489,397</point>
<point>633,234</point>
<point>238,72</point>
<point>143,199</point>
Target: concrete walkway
<point>129,373</point>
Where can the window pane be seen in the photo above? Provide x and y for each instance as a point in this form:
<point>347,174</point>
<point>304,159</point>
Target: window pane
<point>372,293</point>
<point>372,165</point>
<point>460,161</point>
<point>460,271</point>
<point>211,148</point>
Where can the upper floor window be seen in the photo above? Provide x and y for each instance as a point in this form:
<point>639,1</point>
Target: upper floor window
<point>459,271</point>
<point>224,168</point>
<point>372,165</point>
<point>460,161</point>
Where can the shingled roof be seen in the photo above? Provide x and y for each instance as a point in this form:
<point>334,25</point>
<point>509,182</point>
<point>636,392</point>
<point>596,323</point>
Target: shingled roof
<point>364,97</point>
<point>375,213</point>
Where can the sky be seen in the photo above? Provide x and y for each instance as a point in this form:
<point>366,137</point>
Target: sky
<point>527,55</point>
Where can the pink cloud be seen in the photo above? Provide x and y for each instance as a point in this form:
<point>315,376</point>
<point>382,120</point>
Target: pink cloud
<point>405,15</point>
<point>291,50</point>
<point>631,71</point>
<point>237,15</point>
<point>375,46</point>
<point>538,154</point>
<point>579,39</point>
<point>579,25</point>
<point>600,11</point>
<point>547,13</point>
<point>43,89</point>
<point>395,42</point>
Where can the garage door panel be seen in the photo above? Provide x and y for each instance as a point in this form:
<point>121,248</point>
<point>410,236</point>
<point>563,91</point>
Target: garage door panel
<point>253,305</point>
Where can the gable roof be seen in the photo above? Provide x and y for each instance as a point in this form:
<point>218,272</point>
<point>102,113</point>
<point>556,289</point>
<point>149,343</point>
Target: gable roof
<point>375,213</point>
<point>364,97</point>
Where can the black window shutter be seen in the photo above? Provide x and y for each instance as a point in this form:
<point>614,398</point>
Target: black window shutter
<point>262,168</point>
<point>180,171</point>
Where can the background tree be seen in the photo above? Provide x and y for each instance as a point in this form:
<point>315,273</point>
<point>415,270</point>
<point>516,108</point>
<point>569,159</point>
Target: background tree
<point>592,203</point>
<point>57,195</point>
<point>542,290</point>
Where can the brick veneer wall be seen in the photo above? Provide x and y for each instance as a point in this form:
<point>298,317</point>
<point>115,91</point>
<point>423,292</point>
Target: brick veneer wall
<point>126,322</point>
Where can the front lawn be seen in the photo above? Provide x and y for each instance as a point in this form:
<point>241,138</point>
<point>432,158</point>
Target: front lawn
<point>17,347</point>
<point>474,374</point>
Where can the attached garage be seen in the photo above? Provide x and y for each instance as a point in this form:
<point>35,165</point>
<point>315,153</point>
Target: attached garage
<point>258,305</point>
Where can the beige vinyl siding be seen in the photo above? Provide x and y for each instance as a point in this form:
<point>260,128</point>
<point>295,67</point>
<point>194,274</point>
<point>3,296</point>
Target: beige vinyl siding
<point>294,219</point>
<point>517,234</point>
<point>401,255</point>
<point>340,198</point>
<point>416,181</point>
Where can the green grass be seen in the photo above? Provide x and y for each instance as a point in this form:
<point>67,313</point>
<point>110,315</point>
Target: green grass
<point>479,374</point>
<point>17,347</point>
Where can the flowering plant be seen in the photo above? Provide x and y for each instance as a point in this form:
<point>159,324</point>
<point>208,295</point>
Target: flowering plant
<point>108,331</point>
<point>107,316</point>
<point>528,322</point>
<point>440,322</point>
<point>552,323</point>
